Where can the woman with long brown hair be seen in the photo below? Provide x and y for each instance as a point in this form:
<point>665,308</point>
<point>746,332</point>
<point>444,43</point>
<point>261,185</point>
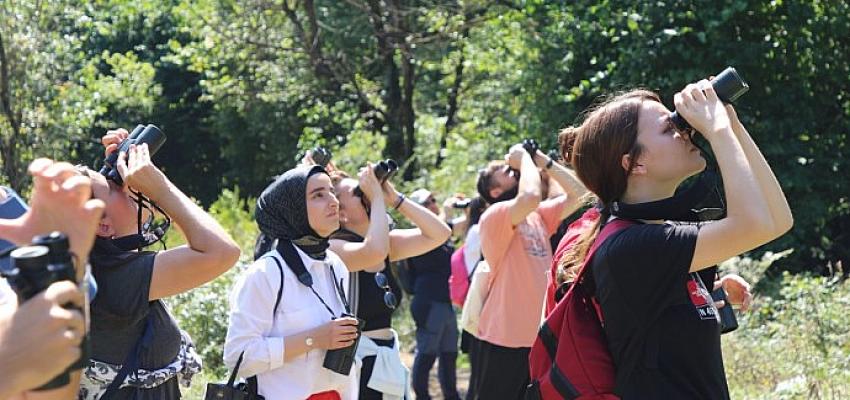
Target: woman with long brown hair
<point>653,278</point>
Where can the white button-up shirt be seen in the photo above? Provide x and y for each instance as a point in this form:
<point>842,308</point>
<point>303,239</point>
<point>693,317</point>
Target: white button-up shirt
<point>253,330</point>
<point>6,292</point>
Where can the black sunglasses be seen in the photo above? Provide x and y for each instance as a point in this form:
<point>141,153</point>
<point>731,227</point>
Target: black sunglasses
<point>389,297</point>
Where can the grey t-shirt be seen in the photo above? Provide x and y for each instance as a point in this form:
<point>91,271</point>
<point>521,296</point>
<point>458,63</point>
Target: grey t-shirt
<point>119,314</point>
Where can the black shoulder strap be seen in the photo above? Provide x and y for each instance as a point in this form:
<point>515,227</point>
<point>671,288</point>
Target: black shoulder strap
<point>296,265</point>
<point>251,381</point>
<point>279,289</point>
<point>293,261</point>
<point>474,267</point>
<point>132,360</point>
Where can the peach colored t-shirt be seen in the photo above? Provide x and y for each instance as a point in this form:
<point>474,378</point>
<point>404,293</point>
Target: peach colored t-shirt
<point>519,258</point>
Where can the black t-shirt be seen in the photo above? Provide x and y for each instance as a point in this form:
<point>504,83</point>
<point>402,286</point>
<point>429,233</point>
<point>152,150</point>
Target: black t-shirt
<point>660,321</point>
<point>370,304</point>
<point>118,318</point>
<point>370,300</point>
<point>430,273</point>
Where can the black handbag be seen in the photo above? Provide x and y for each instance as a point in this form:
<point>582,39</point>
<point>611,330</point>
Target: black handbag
<point>247,390</point>
<point>228,391</point>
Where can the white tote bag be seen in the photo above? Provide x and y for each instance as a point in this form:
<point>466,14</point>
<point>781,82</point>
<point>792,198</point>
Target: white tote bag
<point>479,288</point>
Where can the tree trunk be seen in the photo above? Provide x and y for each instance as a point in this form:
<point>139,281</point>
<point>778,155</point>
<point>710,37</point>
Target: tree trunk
<point>12,168</point>
<point>452,106</point>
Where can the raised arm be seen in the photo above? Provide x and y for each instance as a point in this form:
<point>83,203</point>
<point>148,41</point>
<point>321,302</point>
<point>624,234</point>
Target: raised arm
<point>369,254</point>
<point>459,224</point>
<point>567,180</point>
<point>780,212</point>
<point>429,233</point>
<point>748,224</point>
<point>209,251</point>
<point>528,193</point>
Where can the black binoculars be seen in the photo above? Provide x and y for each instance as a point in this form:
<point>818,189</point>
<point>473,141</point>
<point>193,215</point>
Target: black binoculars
<point>728,322</point>
<point>32,269</point>
<point>341,360</point>
<point>384,170</point>
<point>531,146</point>
<point>729,87</point>
<point>321,156</point>
<point>462,203</point>
<point>150,135</point>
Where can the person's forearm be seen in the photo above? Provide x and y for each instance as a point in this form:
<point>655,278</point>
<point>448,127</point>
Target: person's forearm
<point>296,345</point>
<point>14,231</point>
<point>203,233</point>
<point>529,179</point>
<point>378,235</point>
<point>429,223</point>
<point>740,183</point>
<point>9,385</point>
<point>568,181</point>
<point>777,204</point>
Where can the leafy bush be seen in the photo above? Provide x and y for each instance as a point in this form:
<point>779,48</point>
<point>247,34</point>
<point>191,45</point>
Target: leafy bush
<point>793,344</point>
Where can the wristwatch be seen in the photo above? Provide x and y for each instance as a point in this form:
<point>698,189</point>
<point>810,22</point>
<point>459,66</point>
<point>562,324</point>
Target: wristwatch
<point>308,341</point>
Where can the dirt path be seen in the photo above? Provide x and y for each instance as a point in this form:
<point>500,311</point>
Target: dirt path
<point>434,384</point>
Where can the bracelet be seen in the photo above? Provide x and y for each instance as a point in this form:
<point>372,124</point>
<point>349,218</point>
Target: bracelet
<point>398,201</point>
<point>550,163</point>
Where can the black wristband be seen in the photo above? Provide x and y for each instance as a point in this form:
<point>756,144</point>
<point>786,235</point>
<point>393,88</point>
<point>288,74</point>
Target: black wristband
<point>550,163</point>
<point>398,201</point>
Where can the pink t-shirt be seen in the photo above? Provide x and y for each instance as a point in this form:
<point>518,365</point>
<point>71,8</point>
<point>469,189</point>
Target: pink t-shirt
<point>519,258</point>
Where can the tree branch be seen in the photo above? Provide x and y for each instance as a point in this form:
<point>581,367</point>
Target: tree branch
<point>5,95</point>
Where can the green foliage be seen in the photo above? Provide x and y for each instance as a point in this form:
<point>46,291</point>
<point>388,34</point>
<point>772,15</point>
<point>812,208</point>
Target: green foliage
<point>792,345</point>
<point>243,88</point>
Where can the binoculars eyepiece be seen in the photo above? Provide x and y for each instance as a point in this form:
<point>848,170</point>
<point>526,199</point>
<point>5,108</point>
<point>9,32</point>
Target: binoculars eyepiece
<point>728,85</point>
<point>150,135</point>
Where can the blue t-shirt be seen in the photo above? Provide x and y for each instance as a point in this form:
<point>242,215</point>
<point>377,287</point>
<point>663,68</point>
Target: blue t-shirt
<point>430,273</point>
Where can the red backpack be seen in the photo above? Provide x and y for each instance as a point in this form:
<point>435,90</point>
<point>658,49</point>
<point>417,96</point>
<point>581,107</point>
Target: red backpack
<point>570,357</point>
<point>572,234</point>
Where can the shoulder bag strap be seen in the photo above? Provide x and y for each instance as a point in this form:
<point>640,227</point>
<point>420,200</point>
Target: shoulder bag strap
<point>132,360</point>
<point>252,384</point>
<point>474,267</point>
<point>279,289</point>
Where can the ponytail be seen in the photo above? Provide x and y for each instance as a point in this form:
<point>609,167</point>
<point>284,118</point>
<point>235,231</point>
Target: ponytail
<point>572,260</point>
<point>566,142</point>
<point>595,151</point>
